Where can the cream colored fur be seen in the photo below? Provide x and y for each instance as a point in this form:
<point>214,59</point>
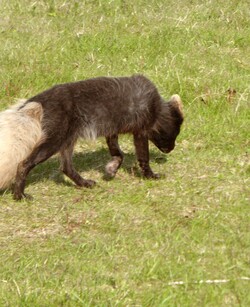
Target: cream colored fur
<point>177,99</point>
<point>20,131</point>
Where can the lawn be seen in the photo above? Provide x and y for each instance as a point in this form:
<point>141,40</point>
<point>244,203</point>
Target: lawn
<point>182,240</point>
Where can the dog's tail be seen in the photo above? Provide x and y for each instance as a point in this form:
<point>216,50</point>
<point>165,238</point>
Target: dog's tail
<point>20,131</point>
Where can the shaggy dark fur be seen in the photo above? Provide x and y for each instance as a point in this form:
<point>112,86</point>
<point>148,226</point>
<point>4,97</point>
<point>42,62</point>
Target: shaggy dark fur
<point>102,107</point>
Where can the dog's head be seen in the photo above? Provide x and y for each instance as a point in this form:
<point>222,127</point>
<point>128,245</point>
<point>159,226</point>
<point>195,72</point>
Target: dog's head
<point>167,127</point>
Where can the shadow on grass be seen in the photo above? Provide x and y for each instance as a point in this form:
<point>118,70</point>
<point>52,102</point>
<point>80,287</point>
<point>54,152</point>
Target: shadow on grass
<point>84,162</point>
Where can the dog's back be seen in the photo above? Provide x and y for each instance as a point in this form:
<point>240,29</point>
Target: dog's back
<point>100,106</point>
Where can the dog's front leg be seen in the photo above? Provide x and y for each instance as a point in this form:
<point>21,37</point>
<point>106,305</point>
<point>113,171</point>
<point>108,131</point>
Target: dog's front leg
<point>116,153</point>
<point>142,153</point>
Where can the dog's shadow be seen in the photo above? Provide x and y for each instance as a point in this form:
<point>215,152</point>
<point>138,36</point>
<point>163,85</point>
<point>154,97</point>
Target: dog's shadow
<point>84,162</point>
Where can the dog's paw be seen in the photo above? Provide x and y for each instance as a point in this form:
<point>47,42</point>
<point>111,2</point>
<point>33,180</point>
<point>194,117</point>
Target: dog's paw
<point>152,176</point>
<point>111,168</point>
<point>89,183</point>
<point>21,196</point>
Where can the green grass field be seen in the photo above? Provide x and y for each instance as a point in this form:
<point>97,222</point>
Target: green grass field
<point>124,242</point>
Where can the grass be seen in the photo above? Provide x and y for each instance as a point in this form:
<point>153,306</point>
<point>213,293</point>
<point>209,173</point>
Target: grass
<point>123,242</point>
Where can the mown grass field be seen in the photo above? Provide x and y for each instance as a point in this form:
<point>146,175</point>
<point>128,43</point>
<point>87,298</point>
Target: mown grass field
<point>124,242</point>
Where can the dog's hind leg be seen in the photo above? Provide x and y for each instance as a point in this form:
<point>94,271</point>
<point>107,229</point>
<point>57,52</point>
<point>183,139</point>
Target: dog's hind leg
<point>68,169</point>
<point>39,154</point>
<point>116,153</point>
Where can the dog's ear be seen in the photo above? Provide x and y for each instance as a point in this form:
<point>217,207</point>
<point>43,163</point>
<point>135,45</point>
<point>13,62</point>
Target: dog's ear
<point>175,101</point>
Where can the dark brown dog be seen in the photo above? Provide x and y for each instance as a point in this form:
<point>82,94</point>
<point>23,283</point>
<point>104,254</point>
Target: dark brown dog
<point>91,108</point>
